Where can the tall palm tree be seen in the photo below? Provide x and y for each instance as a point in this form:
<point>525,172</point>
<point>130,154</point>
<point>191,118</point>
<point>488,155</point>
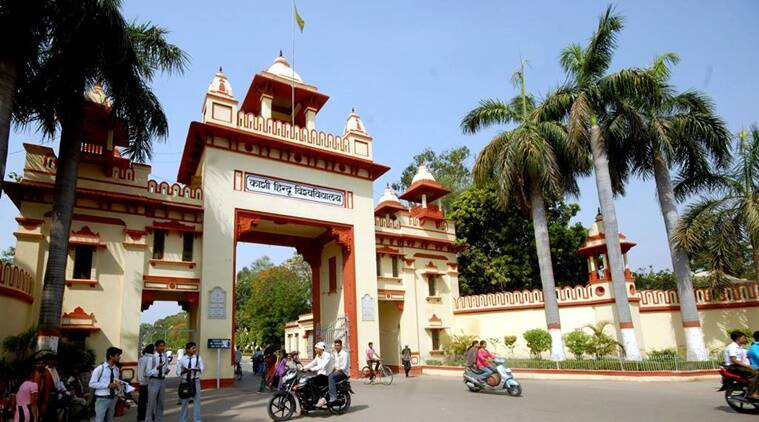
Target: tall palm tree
<point>92,43</point>
<point>23,26</point>
<point>672,131</point>
<point>528,164</point>
<point>728,215</point>
<point>584,100</point>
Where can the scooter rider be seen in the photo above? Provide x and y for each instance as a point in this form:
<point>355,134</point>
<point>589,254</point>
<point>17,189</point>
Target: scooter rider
<point>471,354</point>
<point>322,364</point>
<point>484,359</point>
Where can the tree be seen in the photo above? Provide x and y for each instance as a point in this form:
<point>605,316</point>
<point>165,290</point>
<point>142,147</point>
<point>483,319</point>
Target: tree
<point>8,256</point>
<point>648,278</point>
<point>25,23</point>
<point>538,341</point>
<point>585,101</point>
<point>578,342</point>
<point>526,165</point>
<point>498,245</point>
<point>669,131</point>
<point>602,344</point>
<point>91,43</point>
<point>173,329</point>
<point>727,217</point>
<point>449,169</point>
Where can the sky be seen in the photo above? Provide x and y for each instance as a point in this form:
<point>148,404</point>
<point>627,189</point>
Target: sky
<point>413,69</point>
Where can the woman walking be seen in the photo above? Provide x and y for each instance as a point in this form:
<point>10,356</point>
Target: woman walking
<point>26,399</point>
<point>406,359</point>
<point>190,368</point>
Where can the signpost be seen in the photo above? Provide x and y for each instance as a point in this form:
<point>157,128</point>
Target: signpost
<point>218,344</point>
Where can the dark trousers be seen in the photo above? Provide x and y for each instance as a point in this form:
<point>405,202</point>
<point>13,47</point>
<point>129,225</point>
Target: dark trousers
<point>333,379</point>
<point>406,367</point>
<point>142,402</point>
<point>750,374</point>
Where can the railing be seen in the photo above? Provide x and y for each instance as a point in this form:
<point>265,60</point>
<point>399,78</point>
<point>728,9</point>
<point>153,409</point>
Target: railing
<point>95,149</point>
<point>295,134</point>
<point>520,299</point>
<point>174,189</point>
<point>15,282</point>
<point>705,298</point>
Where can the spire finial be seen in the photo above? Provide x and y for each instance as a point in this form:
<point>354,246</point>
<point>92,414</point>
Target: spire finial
<point>220,69</point>
<point>353,109</point>
<point>280,53</point>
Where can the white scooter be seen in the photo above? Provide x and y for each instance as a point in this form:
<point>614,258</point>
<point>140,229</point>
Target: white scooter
<point>501,380</point>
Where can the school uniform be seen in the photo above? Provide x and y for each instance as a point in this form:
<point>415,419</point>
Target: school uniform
<point>105,398</point>
<point>156,386</point>
<point>186,364</point>
<point>142,379</point>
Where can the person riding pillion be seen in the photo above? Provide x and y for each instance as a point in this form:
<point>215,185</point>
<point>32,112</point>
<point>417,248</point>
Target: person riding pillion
<point>736,359</point>
<point>322,364</point>
<point>340,371</point>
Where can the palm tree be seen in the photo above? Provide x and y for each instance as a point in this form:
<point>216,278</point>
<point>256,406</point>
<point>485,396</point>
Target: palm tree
<point>22,27</point>
<point>672,131</point>
<point>720,223</point>
<point>528,164</point>
<point>90,44</point>
<point>584,100</point>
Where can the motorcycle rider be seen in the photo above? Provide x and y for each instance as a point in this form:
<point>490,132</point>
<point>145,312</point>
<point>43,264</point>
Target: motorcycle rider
<point>736,360</point>
<point>322,364</point>
<point>484,359</point>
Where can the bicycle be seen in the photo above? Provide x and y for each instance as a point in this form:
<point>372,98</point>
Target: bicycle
<point>384,373</point>
<point>238,371</point>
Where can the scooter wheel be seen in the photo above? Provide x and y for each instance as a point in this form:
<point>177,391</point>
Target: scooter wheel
<point>473,389</point>
<point>514,390</point>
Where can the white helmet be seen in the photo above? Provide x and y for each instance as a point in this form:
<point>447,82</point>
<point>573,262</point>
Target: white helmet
<point>320,345</point>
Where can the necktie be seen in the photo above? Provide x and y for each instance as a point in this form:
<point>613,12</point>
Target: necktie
<point>160,363</point>
<point>112,393</point>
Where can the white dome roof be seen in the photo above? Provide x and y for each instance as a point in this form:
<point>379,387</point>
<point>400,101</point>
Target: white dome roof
<point>220,85</point>
<point>282,68</point>
<point>97,95</point>
<point>389,195</point>
<point>422,173</point>
<point>354,123</point>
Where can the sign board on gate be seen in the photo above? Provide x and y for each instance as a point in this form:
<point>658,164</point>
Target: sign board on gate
<point>219,343</point>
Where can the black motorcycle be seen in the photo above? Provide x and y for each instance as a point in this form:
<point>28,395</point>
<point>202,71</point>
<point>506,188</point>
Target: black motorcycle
<point>307,388</point>
<point>735,387</point>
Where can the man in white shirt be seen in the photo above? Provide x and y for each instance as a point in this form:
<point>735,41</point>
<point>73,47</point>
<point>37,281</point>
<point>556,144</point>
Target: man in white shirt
<point>156,371</point>
<point>321,364</point>
<point>142,379</point>
<point>340,371</point>
<point>190,367</point>
<point>736,359</point>
<point>105,382</point>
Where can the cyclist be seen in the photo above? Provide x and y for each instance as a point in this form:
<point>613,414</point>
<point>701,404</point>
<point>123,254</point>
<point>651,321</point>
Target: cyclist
<point>372,358</point>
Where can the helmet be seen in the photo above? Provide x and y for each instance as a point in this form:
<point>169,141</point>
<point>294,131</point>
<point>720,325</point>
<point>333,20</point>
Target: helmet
<point>320,345</point>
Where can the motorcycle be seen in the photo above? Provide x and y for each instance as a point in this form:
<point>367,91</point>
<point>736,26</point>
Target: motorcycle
<point>736,392</point>
<point>500,380</point>
<point>307,388</point>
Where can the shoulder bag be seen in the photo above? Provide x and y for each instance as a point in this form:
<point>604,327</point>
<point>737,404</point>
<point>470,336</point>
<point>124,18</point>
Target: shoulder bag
<point>187,389</point>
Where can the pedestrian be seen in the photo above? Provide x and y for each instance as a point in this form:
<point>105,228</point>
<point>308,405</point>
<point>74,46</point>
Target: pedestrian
<point>406,359</point>
<point>54,388</point>
<point>190,367</point>
<point>26,399</point>
<point>270,362</point>
<point>258,358</point>
<point>340,370</point>
<point>142,379</point>
<point>156,372</point>
<point>105,381</point>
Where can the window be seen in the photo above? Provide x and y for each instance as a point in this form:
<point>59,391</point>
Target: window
<point>435,339</point>
<point>188,241</point>
<point>83,262</point>
<point>159,239</point>
<point>431,285</point>
<point>395,265</point>
<point>379,265</point>
<point>332,275</point>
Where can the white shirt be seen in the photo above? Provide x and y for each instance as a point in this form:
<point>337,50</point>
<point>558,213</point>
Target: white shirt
<point>322,365</point>
<point>733,350</point>
<point>142,366</point>
<point>152,371</point>
<point>342,362</point>
<point>186,363</point>
<point>101,377</point>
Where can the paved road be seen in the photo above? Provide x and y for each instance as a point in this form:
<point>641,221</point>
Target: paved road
<point>441,399</point>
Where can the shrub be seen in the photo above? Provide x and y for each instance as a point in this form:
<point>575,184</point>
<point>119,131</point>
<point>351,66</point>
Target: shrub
<point>662,354</point>
<point>433,362</point>
<point>510,342</point>
<point>603,344</point>
<point>538,341</point>
<point>458,344</point>
<point>578,342</point>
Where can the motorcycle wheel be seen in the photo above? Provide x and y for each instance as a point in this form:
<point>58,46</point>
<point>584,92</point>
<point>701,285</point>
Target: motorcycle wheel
<point>281,407</point>
<point>735,396</point>
<point>342,404</point>
<point>514,390</point>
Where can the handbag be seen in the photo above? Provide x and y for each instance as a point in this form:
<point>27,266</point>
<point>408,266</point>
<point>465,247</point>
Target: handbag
<point>186,390</point>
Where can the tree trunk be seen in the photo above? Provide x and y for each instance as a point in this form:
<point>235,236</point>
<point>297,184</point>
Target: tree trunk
<point>543,246</point>
<point>755,251</point>
<point>694,335</point>
<point>613,249</point>
<point>7,98</point>
<point>64,196</point>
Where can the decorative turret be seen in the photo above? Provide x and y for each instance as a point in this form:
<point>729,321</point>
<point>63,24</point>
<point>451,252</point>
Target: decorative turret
<point>355,133</point>
<point>388,203</point>
<point>424,188</point>
<point>220,104</point>
<point>594,248</point>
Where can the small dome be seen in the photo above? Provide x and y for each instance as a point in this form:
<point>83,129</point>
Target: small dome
<point>389,195</point>
<point>354,123</point>
<point>220,85</point>
<point>97,95</point>
<point>282,68</point>
<point>422,173</point>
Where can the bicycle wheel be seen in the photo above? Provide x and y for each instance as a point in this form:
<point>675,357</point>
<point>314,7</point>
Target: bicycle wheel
<point>366,374</point>
<point>387,375</point>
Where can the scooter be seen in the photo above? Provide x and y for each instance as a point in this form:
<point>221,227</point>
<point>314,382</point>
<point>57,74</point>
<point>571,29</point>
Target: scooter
<point>501,380</point>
